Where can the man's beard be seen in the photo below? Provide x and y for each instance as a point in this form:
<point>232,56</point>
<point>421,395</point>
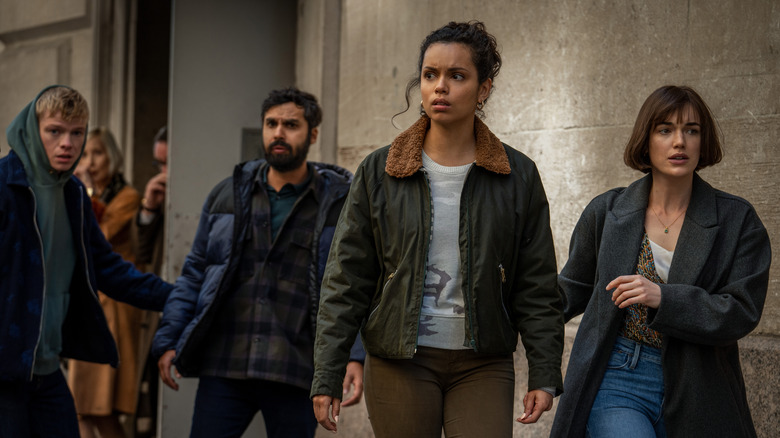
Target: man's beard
<point>289,160</point>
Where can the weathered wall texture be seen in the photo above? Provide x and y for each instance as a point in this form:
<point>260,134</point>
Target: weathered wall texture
<point>42,43</point>
<point>574,76</point>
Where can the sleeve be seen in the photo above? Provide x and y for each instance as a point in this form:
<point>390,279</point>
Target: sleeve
<point>181,305</point>
<point>578,276</point>
<point>536,302</point>
<point>146,237</point>
<point>731,311</point>
<point>348,285</point>
<point>116,277</point>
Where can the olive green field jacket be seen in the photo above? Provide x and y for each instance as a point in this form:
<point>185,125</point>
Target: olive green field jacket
<point>375,274</point>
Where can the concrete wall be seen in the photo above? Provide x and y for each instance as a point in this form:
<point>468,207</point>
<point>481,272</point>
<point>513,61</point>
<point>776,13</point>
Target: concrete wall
<point>225,58</point>
<point>317,68</point>
<point>43,43</point>
<point>80,43</point>
<point>575,73</point>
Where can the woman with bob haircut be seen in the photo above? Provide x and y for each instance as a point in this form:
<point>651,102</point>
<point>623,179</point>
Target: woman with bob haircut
<point>669,273</point>
<point>442,255</point>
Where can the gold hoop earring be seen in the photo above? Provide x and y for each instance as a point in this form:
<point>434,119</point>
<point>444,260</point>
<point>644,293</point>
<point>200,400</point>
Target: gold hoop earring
<point>480,105</point>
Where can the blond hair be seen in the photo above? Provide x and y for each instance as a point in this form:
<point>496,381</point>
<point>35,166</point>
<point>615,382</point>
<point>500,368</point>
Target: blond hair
<point>107,140</point>
<point>65,101</point>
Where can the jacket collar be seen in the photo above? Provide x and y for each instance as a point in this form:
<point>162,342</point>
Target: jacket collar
<point>326,180</point>
<point>405,155</point>
<point>701,209</point>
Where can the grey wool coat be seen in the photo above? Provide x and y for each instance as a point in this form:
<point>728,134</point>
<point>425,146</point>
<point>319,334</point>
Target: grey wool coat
<point>715,295</point>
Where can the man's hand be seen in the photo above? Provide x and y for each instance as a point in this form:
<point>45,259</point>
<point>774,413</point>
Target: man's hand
<point>322,407</point>
<point>154,194</point>
<point>353,378</point>
<point>165,364</point>
<point>535,403</point>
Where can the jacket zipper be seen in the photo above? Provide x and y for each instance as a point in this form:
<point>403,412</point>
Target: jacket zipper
<point>82,228</point>
<point>43,270</point>
<point>384,288</point>
<point>425,252</point>
<point>467,290</point>
<point>502,272</point>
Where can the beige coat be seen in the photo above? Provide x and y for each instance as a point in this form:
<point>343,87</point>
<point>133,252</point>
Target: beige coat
<point>99,389</point>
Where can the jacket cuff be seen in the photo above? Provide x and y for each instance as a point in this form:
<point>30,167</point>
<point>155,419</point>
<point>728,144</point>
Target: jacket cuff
<point>545,379</point>
<point>329,384</point>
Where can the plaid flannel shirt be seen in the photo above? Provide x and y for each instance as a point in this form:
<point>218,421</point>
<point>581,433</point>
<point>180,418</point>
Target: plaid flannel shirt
<point>263,330</point>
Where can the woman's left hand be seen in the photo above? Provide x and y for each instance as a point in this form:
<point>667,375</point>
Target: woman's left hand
<point>535,403</point>
<point>635,289</point>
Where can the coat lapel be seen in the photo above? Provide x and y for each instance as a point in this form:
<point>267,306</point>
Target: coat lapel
<point>622,237</point>
<point>697,235</point>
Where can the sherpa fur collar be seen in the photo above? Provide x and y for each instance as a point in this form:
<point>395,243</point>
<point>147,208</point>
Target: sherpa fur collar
<point>405,155</point>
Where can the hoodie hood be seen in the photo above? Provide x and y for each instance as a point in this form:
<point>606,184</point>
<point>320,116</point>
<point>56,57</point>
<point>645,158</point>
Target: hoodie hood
<point>54,228</point>
<point>23,136</point>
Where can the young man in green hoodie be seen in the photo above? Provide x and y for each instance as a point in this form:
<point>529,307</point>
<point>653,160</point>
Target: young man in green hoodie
<point>53,260</point>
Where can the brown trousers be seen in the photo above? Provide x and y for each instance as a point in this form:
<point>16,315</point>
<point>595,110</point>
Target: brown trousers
<point>469,395</point>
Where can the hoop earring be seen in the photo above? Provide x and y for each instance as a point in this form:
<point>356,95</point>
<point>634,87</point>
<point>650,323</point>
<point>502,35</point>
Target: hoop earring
<point>480,105</point>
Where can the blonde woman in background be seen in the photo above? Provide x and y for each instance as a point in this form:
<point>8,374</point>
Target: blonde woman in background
<point>101,392</point>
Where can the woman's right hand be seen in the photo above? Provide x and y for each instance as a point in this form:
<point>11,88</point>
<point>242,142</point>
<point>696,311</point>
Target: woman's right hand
<point>635,289</point>
<point>322,410</point>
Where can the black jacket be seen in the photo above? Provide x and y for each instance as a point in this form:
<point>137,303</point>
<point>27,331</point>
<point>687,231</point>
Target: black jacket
<point>376,269</point>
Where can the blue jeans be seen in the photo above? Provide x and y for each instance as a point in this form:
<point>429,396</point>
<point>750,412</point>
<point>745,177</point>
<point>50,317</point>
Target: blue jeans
<point>631,396</point>
<point>225,407</point>
<point>40,408</point>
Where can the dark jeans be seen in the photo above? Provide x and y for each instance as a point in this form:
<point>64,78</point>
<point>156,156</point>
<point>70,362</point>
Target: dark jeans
<point>40,408</point>
<point>225,407</point>
<point>469,395</point>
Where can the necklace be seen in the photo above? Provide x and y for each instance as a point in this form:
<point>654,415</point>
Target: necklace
<point>666,227</point>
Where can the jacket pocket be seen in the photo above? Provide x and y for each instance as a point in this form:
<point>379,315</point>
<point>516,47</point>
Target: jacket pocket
<point>295,264</point>
<point>619,358</point>
<point>381,297</point>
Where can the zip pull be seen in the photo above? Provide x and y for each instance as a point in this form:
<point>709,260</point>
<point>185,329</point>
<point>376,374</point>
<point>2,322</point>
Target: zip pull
<point>503,272</point>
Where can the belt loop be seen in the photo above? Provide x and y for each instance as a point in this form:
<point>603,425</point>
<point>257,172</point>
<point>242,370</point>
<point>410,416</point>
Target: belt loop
<point>635,359</point>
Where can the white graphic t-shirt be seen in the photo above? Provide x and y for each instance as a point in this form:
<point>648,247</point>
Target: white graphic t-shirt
<point>442,323</point>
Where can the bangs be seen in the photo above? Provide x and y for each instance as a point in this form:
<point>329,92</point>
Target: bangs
<point>682,108</point>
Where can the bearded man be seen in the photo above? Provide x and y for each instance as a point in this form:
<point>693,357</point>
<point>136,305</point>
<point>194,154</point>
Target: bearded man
<point>241,316</point>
